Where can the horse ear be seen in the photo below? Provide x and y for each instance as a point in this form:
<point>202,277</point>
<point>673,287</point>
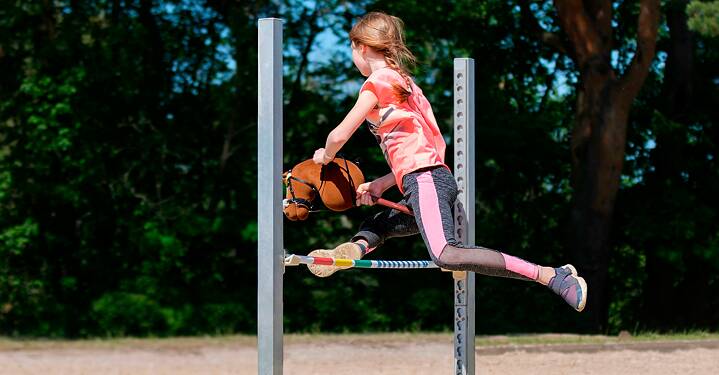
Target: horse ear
<point>284,177</point>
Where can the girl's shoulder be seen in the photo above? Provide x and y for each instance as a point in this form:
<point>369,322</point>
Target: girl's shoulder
<point>384,83</point>
<point>385,74</point>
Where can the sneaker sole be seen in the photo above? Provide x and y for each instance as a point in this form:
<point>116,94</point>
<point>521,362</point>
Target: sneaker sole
<point>585,292</point>
<point>346,250</point>
<point>321,271</point>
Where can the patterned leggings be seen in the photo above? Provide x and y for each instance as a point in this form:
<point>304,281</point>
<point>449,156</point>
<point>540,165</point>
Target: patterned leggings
<point>431,194</point>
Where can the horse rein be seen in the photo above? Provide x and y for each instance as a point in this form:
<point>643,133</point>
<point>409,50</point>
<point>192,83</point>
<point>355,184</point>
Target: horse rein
<point>298,201</point>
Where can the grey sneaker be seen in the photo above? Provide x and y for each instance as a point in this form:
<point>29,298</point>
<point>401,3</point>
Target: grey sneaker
<point>572,288</point>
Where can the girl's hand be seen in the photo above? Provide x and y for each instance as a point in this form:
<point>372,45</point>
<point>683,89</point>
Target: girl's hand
<point>321,157</point>
<point>366,191</point>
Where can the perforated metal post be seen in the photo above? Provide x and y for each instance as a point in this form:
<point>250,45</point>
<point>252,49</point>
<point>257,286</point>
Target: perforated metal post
<point>464,212</point>
<point>270,254</point>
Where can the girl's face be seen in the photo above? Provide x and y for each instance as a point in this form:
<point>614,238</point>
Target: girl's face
<point>358,58</point>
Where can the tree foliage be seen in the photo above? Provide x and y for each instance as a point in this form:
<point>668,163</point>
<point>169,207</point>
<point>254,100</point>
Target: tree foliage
<point>704,17</point>
<point>128,156</point>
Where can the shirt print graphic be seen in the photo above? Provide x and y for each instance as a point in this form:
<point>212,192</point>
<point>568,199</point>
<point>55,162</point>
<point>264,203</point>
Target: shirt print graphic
<point>381,142</point>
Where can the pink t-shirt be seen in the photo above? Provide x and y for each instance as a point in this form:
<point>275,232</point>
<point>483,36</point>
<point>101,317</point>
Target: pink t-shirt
<point>407,132</point>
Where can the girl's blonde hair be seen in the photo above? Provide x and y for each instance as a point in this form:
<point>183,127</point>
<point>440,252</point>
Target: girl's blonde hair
<point>385,34</point>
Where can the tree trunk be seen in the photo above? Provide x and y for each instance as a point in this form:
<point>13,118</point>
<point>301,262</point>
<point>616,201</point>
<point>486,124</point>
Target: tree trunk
<point>677,88</point>
<point>675,103</point>
<point>597,159</point>
<point>599,133</point>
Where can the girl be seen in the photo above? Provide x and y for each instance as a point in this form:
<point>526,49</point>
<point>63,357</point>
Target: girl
<point>402,121</point>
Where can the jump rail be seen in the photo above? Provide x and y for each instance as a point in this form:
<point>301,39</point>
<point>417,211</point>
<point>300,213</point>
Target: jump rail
<point>295,260</point>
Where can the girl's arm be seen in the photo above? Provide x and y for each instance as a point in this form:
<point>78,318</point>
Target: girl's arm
<point>374,189</point>
<point>386,182</point>
<point>342,133</point>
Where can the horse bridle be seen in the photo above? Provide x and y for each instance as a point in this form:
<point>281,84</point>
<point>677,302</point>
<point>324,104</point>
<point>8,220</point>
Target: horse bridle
<point>298,201</point>
<point>304,202</point>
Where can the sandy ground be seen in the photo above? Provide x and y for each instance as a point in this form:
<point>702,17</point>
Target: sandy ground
<point>355,354</point>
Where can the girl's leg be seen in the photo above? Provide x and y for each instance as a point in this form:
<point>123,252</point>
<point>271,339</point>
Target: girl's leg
<point>384,225</point>
<point>373,232</point>
<point>431,194</point>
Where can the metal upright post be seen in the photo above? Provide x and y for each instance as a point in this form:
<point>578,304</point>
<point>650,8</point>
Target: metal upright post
<point>270,257</point>
<point>464,172</point>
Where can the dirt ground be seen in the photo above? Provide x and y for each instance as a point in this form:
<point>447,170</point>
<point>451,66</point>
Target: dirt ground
<point>359,354</point>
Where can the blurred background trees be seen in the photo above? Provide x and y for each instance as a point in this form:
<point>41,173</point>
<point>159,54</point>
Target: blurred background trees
<point>128,158</point>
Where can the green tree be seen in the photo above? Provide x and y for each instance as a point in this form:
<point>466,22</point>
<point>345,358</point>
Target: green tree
<point>704,17</point>
<point>127,163</point>
<point>598,141</point>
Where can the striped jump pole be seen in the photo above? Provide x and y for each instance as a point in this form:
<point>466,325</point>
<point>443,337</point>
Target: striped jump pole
<point>295,260</point>
<point>271,259</point>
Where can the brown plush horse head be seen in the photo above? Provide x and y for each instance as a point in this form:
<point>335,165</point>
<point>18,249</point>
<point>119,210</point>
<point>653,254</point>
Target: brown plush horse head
<point>336,183</point>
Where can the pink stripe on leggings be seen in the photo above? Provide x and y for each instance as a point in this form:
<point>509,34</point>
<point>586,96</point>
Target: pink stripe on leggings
<point>520,266</point>
<point>429,211</point>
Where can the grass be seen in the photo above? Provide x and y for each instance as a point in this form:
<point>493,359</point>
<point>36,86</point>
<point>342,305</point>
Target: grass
<point>152,343</point>
<point>548,339</point>
<point>247,341</point>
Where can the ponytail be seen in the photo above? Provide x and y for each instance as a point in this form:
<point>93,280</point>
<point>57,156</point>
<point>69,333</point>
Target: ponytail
<point>385,34</point>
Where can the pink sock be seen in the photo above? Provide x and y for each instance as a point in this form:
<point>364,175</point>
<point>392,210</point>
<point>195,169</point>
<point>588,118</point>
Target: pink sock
<point>521,266</point>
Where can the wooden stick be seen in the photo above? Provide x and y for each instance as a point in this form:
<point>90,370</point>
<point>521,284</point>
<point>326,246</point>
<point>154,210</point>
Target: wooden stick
<point>390,204</point>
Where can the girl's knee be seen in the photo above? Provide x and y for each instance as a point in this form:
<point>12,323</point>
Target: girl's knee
<point>450,266</point>
<point>448,262</point>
